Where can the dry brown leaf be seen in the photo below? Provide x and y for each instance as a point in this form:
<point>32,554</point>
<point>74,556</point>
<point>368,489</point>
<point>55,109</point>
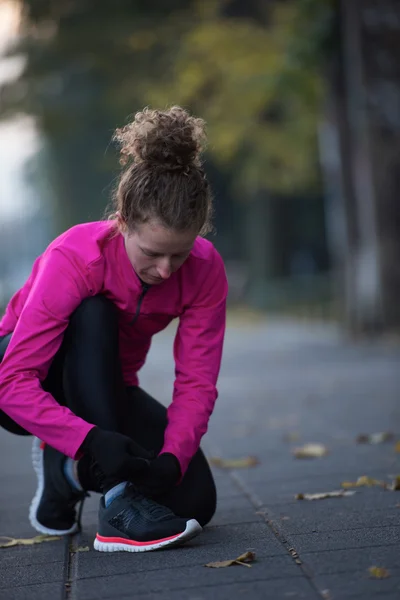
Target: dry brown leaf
<point>378,572</point>
<point>243,559</point>
<point>370,482</point>
<point>397,447</point>
<point>82,549</point>
<point>234,463</point>
<point>38,539</point>
<point>375,438</point>
<point>323,495</point>
<point>396,484</point>
<point>310,451</point>
<point>365,481</point>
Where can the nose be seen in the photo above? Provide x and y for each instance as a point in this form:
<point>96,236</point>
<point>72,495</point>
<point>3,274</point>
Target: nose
<point>164,269</point>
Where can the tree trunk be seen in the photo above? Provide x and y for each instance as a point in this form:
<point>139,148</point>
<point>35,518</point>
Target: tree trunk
<point>360,152</point>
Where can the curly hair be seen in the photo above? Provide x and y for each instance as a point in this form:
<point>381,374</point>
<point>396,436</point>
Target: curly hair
<point>163,178</point>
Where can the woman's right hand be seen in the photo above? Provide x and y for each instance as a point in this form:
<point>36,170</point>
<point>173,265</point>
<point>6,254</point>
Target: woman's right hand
<point>117,455</point>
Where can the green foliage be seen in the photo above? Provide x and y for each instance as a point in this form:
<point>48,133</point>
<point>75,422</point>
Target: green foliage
<point>255,78</point>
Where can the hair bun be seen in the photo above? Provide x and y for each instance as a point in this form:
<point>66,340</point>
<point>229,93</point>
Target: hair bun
<point>172,139</point>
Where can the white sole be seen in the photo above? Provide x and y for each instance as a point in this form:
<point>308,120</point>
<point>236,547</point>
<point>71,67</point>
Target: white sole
<point>192,529</point>
<point>37,462</point>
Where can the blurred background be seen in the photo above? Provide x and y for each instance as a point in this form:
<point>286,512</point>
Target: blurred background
<point>302,100</point>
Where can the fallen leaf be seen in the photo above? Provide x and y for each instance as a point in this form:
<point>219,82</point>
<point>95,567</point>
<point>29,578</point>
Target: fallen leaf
<point>39,539</point>
<point>396,484</point>
<point>375,438</point>
<point>243,559</point>
<point>397,447</point>
<point>235,463</point>
<point>323,495</point>
<point>310,451</point>
<point>378,572</point>
<point>326,594</point>
<point>82,549</point>
<point>365,481</point>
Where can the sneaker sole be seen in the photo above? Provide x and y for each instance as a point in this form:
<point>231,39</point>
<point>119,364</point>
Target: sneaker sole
<point>111,544</point>
<point>37,462</point>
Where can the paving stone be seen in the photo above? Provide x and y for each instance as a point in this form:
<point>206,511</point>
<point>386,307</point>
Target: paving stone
<point>38,554</point>
<point>338,520</point>
<point>43,591</point>
<point>344,586</point>
<point>96,564</point>
<point>179,578</point>
<point>337,540</point>
<point>294,588</point>
<point>349,560</point>
<point>14,575</point>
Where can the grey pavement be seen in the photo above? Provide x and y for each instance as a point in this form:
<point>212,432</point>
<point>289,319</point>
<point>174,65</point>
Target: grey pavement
<point>277,379</point>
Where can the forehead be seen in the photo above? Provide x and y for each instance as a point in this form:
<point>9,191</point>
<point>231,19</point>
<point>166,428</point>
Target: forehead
<point>157,238</point>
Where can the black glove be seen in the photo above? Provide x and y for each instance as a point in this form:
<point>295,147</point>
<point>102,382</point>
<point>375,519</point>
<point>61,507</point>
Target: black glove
<point>164,472</point>
<point>117,456</point>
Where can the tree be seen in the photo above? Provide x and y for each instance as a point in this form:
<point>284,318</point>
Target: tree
<point>360,142</point>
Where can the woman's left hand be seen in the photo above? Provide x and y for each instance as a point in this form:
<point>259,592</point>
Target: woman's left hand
<point>161,476</point>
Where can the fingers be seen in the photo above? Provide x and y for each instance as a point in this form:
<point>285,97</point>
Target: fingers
<point>136,450</point>
<point>138,465</point>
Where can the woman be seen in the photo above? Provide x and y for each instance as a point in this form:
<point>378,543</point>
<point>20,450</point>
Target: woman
<point>74,337</point>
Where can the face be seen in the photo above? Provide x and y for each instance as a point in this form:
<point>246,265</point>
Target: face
<point>156,252</point>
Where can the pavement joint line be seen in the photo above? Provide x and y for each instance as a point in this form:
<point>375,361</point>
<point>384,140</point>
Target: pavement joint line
<point>71,567</point>
<point>276,529</point>
<point>352,548</point>
<point>368,527</point>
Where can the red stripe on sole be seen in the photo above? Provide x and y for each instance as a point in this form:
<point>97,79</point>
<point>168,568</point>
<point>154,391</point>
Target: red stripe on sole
<point>42,445</point>
<point>117,540</point>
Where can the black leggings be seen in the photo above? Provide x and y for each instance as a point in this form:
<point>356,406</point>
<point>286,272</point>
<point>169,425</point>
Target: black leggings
<point>86,376</point>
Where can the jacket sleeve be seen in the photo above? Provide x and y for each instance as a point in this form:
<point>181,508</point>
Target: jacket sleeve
<point>57,290</point>
<point>197,352</point>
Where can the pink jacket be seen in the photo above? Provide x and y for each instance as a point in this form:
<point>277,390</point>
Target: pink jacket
<point>84,261</point>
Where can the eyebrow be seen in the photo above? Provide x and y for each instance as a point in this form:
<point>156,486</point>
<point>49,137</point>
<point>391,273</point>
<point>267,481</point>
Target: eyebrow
<point>151,251</point>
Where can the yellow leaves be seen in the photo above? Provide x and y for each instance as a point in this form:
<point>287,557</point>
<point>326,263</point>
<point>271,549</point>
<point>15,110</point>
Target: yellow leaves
<point>378,572</point>
<point>8,542</point>
<point>365,481</point>
<point>235,73</point>
<point>235,463</point>
<point>397,447</point>
<point>375,438</point>
<point>310,451</point>
<point>324,495</point>
<point>243,560</point>
<point>396,484</point>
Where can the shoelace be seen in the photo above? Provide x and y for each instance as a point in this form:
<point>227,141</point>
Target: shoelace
<point>153,508</point>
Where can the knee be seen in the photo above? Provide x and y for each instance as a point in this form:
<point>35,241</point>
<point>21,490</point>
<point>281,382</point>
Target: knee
<point>93,312</point>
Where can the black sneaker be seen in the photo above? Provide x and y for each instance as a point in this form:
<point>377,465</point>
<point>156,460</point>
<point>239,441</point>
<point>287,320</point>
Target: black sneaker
<point>137,524</point>
<point>53,508</point>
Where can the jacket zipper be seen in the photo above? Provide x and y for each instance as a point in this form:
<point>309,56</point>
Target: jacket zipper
<point>145,289</point>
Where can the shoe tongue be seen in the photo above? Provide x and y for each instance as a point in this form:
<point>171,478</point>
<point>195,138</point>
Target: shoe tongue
<point>158,511</point>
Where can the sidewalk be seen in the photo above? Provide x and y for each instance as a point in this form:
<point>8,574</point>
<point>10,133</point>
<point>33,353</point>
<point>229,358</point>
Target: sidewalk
<point>277,380</point>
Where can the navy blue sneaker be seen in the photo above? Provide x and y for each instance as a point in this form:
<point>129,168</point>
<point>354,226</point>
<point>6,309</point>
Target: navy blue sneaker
<point>133,523</point>
<point>53,508</point>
